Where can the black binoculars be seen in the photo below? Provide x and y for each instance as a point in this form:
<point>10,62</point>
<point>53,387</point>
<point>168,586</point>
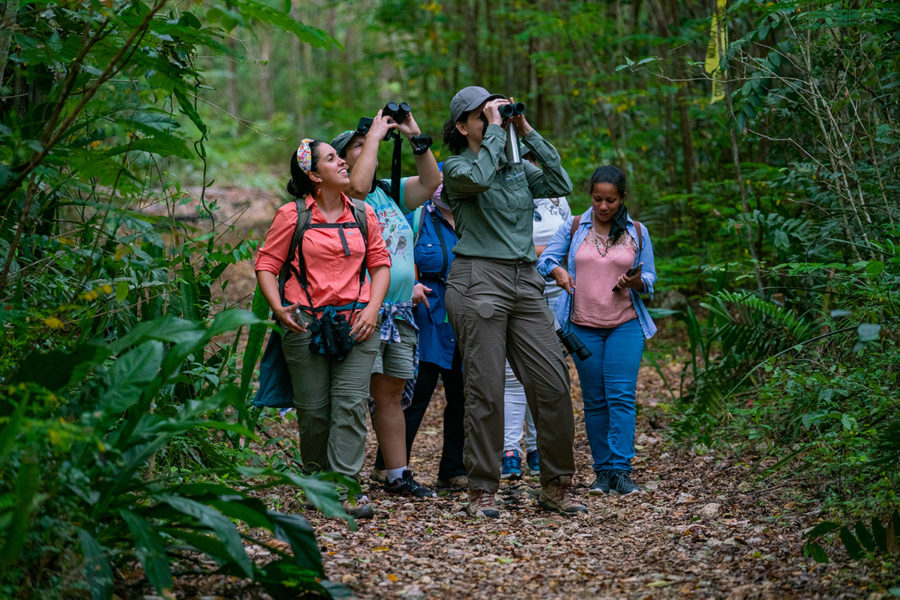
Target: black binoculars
<point>398,112</point>
<point>573,344</point>
<point>362,128</point>
<point>331,336</point>
<point>512,109</point>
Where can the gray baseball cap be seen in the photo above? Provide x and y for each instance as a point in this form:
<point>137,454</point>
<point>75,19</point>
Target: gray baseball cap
<point>340,142</point>
<point>469,98</point>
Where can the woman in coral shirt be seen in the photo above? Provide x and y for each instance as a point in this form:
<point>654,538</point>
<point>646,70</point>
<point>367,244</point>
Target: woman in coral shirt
<point>330,390</point>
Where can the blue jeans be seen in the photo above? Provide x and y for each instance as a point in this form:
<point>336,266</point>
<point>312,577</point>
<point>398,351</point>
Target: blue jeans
<point>608,382</point>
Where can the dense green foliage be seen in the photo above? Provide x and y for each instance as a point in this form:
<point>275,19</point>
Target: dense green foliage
<point>773,214</point>
<point>124,420</point>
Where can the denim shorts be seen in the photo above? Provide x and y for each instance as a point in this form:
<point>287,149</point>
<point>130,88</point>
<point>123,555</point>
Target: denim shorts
<point>396,358</point>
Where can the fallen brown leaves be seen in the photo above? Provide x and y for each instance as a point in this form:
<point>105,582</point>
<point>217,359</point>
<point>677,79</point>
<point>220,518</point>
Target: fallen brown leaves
<point>702,527</point>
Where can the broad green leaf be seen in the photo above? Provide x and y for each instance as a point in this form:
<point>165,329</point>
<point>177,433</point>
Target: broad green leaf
<point>850,543</point>
<point>814,550</point>
<point>229,320</point>
<point>255,340</point>
<point>874,268</point>
<point>821,529</point>
<point>167,329</point>
<point>130,375</point>
<point>249,510</point>
<point>96,566</point>
<point>151,551</point>
<point>121,290</point>
<point>221,526</point>
<point>865,538</point>
<point>26,486</point>
<point>297,531</point>
<point>879,534</point>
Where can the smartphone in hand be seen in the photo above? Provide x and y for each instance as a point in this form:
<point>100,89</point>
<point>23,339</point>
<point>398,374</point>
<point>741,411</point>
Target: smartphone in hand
<point>629,273</point>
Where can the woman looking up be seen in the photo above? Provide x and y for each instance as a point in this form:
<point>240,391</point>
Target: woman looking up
<point>610,261</point>
<point>326,284</point>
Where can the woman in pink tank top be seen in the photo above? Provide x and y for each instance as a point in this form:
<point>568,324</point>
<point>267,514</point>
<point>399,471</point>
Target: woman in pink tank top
<point>613,259</point>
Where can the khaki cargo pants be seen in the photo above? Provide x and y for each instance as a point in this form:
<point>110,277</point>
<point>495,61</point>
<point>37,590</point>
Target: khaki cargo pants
<point>331,400</point>
<point>498,311</point>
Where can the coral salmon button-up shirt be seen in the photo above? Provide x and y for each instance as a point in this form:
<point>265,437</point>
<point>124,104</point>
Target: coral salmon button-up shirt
<point>333,276</point>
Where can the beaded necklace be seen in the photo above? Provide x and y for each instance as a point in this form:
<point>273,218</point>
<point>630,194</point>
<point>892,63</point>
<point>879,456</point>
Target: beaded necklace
<point>596,238</point>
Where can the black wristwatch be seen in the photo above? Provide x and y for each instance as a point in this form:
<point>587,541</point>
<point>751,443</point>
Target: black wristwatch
<point>420,143</point>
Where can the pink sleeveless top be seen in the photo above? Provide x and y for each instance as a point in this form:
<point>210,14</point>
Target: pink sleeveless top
<point>594,303</point>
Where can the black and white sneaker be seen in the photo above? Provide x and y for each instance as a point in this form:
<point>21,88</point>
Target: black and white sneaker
<point>407,486</point>
<point>620,482</point>
<point>601,483</point>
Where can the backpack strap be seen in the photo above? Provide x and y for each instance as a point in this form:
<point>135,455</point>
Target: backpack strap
<point>296,247</point>
<point>417,221</point>
<point>576,221</point>
<point>640,234</point>
<point>303,216</point>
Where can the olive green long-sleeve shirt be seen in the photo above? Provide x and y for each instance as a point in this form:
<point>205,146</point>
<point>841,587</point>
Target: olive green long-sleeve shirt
<point>493,201</point>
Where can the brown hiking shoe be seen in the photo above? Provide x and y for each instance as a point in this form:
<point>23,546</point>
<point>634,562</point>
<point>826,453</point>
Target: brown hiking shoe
<point>452,484</point>
<point>481,504</point>
<point>558,496</point>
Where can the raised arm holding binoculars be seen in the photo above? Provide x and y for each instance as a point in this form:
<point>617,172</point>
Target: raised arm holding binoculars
<point>495,296</point>
<point>390,199</point>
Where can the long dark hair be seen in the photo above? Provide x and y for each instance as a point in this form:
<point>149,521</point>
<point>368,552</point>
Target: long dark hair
<point>615,176</point>
<point>300,185</point>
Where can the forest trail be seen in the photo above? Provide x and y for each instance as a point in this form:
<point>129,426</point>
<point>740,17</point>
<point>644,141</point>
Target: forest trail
<point>704,526</point>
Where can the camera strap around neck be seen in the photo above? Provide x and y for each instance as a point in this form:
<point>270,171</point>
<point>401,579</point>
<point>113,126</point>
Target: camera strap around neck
<point>395,169</point>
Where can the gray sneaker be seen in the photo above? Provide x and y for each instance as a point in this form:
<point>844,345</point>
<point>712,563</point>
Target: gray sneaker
<point>360,508</point>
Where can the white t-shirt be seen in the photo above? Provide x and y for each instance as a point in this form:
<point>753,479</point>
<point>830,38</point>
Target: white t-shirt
<point>549,214</point>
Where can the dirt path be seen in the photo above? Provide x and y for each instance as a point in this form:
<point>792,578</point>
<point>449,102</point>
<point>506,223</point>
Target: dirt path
<point>704,526</point>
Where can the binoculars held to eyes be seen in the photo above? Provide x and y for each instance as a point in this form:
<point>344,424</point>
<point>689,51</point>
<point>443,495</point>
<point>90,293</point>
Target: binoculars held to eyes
<point>397,111</point>
<point>513,109</point>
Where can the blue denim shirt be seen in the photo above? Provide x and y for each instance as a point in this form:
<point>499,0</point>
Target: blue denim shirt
<point>564,246</point>
<point>437,341</point>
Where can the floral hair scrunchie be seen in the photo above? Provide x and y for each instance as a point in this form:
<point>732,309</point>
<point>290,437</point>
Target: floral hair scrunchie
<point>304,155</point>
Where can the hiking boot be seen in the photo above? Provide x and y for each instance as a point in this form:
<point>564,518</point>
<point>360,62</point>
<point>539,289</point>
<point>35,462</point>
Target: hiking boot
<point>620,482</point>
<point>407,486</point>
<point>452,484</point>
<point>533,462</point>
<point>360,509</point>
<point>481,504</point>
<point>601,483</point>
<point>557,496</point>
<point>511,468</point>
<point>377,475</point>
